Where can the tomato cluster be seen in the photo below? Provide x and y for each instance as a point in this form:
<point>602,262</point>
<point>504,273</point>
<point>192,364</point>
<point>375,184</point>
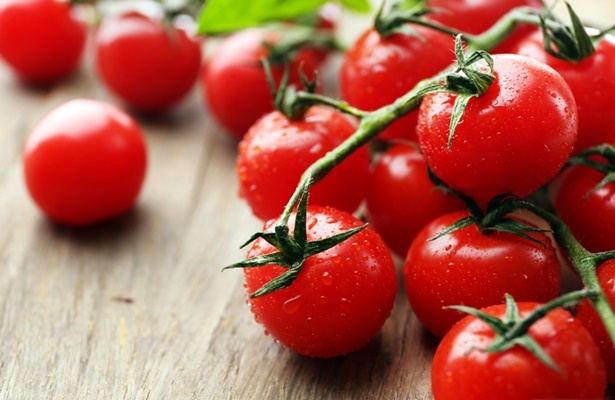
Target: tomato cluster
<point>430,185</point>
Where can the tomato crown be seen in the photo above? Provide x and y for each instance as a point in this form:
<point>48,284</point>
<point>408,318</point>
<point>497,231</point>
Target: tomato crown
<point>605,163</point>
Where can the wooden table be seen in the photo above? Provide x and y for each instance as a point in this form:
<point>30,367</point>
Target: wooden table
<point>138,308</point>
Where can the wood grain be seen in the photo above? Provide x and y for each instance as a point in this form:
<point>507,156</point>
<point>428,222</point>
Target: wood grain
<point>138,308</point>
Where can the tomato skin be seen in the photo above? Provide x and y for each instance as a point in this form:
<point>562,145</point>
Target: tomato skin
<point>40,39</point>
<point>85,162</point>
<point>592,82</point>
<point>590,319</point>
<point>234,83</point>
<point>475,17</point>
<point>590,217</point>
<point>276,151</point>
<point>148,65</point>
<point>377,70</point>
<point>340,299</point>
<point>401,198</point>
<point>469,268</point>
<point>512,139</point>
<point>460,370</point>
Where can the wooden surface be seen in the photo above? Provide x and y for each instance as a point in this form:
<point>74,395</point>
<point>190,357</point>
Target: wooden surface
<point>138,308</point>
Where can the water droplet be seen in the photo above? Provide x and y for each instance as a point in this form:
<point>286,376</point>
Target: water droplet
<point>327,279</point>
<point>291,305</point>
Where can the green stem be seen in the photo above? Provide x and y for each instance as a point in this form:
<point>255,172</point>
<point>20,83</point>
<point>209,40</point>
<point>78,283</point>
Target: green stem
<point>314,98</point>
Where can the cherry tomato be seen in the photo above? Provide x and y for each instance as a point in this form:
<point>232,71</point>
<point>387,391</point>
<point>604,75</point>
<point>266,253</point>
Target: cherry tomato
<point>512,139</point>
<point>85,162</point>
<point>461,370</point>
<point>589,214</point>
<point>401,198</point>
<point>592,82</point>
<point>588,316</point>
<point>276,151</point>
<point>477,16</point>
<point>235,85</point>
<point>149,65</point>
<point>467,267</point>
<point>340,299</point>
<point>41,40</point>
<point>377,70</point>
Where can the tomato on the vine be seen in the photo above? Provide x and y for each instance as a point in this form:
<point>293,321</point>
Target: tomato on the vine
<point>85,162</point>
<point>341,297</point>
<point>277,150</point>
<point>476,16</point>
<point>401,198</point>
<point>461,369</point>
<point>592,81</point>
<point>378,69</point>
<point>41,40</point>
<point>588,316</point>
<point>234,82</point>
<point>512,139</point>
<point>148,64</point>
<point>467,267</point>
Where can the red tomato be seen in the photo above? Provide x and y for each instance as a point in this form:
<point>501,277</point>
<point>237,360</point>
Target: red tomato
<point>234,82</point>
<point>40,40</point>
<point>512,139</point>
<point>470,268</point>
<point>340,299</point>
<point>149,65</point>
<point>85,162</point>
<point>276,151</point>
<point>377,70</point>
<point>592,82</point>
<point>461,370</point>
<point>401,198</point>
<point>476,16</point>
<point>593,323</point>
<point>589,215</point>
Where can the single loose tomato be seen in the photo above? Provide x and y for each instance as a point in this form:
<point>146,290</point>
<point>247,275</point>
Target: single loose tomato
<point>41,40</point>
<point>148,64</point>
<point>461,369</point>
<point>592,81</point>
<point>401,198</point>
<point>84,162</point>
<point>235,85</point>
<point>377,70</point>
<point>467,267</point>
<point>341,297</point>
<point>276,151</point>
<point>589,213</point>
<point>477,16</point>
<point>588,316</point>
<point>512,139</point>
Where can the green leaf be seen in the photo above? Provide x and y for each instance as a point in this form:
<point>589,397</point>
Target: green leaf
<point>361,6</point>
<point>219,16</point>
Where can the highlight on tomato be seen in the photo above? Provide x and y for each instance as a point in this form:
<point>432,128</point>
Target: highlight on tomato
<point>147,62</point>
<point>85,162</point>
<point>42,41</point>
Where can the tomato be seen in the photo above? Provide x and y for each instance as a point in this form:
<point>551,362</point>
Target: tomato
<point>276,151</point>
<point>84,162</point>
<point>341,297</point>
<point>377,70</point>
<point>235,85</point>
<point>588,316</point>
<point>592,82</point>
<point>467,267</point>
<point>148,64</point>
<point>401,198</point>
<point>477,16</point>
<point>589,214</point>
<point>41,40</point>
<point>461,370</point>
<point>512,139</point>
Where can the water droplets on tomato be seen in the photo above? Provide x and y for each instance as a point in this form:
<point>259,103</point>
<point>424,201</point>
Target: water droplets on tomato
<point>327,279</point>
<point>292,305</point>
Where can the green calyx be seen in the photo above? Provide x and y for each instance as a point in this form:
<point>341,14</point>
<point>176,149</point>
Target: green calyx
<point>605,164</point>
<point>297,37</point>
<point>293,249</point>
<point>513,330</point>
<point>571,43</point>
